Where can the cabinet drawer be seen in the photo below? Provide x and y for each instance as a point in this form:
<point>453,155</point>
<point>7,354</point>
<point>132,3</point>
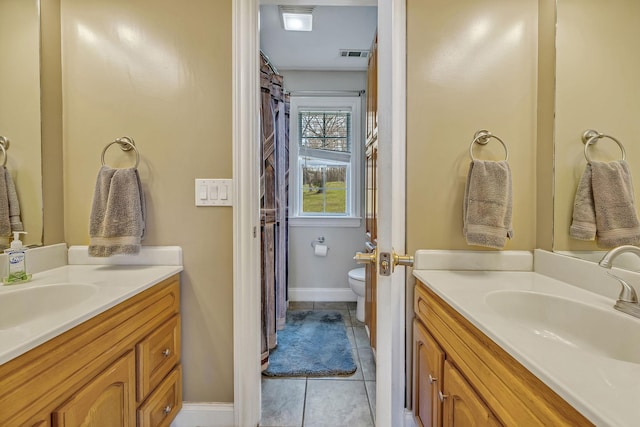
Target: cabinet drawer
<point>164,403</point>
<point>157,354</point>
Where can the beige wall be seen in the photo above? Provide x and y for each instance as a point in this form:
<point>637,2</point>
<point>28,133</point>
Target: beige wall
<point>159,71</point>
<point>51,108</point>
<point>20,108</point>
<point>596,88</point>
<point>546,109</point>
<point>470,66</point>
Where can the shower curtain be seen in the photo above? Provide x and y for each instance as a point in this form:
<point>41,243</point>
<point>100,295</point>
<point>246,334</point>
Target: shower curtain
<point>274,201</point>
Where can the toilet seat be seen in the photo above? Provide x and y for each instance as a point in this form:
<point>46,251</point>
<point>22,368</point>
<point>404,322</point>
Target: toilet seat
<point>357,274</point>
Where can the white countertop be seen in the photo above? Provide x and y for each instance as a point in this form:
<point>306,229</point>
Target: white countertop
<point>604,390</point>
<point>108,286</point>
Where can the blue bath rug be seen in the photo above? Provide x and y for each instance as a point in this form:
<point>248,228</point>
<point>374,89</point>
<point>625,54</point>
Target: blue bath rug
<point>312,344</point>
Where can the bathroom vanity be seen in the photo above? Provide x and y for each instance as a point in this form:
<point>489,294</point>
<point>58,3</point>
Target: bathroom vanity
<point>461,377</point>
<point>494,347</point>
<point>110,356</point>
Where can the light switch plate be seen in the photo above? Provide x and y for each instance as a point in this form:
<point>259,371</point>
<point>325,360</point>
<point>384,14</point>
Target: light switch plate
<point>214,192</point>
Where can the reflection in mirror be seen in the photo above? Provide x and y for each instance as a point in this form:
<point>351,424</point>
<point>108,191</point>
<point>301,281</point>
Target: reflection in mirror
<point>20,107</point>
<point>597,87</point>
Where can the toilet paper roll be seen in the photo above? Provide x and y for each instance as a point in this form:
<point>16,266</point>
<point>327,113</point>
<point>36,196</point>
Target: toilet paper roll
<point>320,250</point>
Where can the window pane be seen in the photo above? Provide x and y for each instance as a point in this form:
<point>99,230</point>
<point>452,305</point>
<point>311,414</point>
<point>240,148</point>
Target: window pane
<point>325,130</point>
<point>324,189</point>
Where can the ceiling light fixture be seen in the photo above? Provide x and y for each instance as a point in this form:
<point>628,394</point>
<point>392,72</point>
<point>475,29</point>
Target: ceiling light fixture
<point>296,18</point>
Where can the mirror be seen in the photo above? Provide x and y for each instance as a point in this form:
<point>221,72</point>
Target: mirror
<point>20,107</point>
<point>597,87</point>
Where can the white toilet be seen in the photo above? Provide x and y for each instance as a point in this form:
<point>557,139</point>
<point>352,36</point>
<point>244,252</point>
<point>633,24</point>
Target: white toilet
<point>356,282</point>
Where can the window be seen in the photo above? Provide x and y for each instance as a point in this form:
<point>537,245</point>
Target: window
<point>325,161</point>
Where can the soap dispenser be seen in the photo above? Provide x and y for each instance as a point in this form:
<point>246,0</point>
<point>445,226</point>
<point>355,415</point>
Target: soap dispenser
<point>17,267</point>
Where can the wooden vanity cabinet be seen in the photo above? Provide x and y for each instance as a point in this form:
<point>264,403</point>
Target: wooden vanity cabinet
<point>480,383</point>
<point>120,368</point>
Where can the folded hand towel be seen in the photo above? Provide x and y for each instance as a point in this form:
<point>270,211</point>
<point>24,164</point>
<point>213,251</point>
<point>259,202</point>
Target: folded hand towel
<point>583,226</point>
<point>5,222</point>
<point>117,219</point>
<point>14,204</point>
<point>488,204</point>
<point>616,217</point>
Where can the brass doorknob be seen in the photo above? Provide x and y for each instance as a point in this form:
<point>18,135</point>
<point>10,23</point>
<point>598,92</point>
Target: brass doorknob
<point>406,260</point>
<point>365,257</point>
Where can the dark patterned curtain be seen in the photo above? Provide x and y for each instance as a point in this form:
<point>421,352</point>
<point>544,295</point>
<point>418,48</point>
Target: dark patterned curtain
<point>274,202</point>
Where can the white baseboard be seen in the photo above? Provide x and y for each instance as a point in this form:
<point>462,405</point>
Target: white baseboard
<point>205,415</point>
<point>321,294</point>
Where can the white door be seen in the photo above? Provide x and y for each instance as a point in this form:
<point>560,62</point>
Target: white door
<point>390,331</point>
<point>390,359</point>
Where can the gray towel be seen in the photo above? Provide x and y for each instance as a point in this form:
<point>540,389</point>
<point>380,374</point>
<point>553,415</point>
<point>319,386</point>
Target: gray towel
<point>14,204</point>
<point>5,220</point>
<point>583,225</point>
<point>488,202</point>
<point>616,217</point>
<point>117,221</point>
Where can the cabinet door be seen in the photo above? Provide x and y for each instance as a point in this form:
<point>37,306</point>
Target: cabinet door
<point>428,359</point>
<point>462,406</point>
<point>108,400</point>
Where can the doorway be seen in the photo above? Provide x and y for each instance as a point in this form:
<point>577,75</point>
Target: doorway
<point>390,313</point>
<point>323,75</point>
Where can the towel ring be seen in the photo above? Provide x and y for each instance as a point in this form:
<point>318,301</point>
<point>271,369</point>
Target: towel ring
<point>4,146</point>
<point>591,137</point>
<point>482,137</point>
<point>126,144</point>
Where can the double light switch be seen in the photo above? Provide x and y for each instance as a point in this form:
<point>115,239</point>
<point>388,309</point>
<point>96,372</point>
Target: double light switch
<point>213,192</point>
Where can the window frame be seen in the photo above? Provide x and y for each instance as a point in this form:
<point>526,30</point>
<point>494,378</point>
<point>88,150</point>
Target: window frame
<point>354,167</point>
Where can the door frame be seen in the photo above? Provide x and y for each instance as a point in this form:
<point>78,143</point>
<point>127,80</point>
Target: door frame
<point>390,356</point>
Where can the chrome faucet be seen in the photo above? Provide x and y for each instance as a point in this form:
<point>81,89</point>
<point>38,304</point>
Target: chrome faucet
<point>628,299</point>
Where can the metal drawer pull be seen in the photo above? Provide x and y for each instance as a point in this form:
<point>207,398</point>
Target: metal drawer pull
<point>432,380</point>
<point>167,409</point>
<point>441,396</point>
<point>166,352</point>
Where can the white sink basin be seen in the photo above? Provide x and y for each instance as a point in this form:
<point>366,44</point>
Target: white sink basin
<point>601,332</point>
<point>27,304</point>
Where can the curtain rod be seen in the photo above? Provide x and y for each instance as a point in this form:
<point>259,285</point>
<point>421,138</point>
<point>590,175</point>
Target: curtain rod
<point>326,92</point>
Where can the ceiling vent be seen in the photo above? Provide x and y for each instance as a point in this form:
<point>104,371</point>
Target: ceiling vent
<point>354,53</point>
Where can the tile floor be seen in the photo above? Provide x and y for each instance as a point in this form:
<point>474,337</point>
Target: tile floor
<point>328,401</point>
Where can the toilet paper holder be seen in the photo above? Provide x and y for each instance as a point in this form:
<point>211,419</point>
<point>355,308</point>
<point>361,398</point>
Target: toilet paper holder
<point>319,240</point>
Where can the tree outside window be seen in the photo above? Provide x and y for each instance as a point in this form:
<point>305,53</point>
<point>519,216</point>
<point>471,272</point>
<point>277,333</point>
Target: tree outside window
<point>325,156</point>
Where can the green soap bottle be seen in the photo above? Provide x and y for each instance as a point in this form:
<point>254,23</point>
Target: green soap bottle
<point>17,266</point>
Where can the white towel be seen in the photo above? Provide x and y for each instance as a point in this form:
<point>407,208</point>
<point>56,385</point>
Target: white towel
<point>117,221</point>
<point>488,204</point>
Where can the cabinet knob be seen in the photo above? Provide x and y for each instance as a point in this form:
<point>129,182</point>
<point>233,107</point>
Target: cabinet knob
<point>166,352</point>
<point>441,396</point>
<point>167,409</point>
<point>432,379</point>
